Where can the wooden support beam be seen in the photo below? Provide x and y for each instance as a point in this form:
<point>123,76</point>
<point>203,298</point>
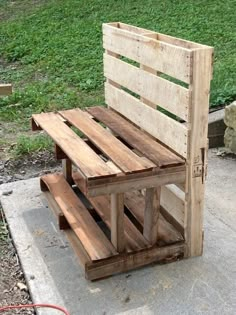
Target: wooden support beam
<point>117,222</point>
<point>67,170</point>
<point>151,214</point>
<point>197,150</point>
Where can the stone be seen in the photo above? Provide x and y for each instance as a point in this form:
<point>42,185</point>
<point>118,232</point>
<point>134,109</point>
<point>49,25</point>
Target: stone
<point>230,115</point>
<point>7,192</point>
<point>230,139</point>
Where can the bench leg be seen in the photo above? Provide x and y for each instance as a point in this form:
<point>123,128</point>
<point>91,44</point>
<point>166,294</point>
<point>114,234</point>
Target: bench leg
<point>67,170</point>
<point>151,214</point>
<point>117,221</point>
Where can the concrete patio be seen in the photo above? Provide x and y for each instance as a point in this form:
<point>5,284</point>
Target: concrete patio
<point>203,285</point>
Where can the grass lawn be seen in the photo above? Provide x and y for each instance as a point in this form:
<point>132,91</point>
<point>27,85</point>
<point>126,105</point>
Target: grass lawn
<point>51,51</point>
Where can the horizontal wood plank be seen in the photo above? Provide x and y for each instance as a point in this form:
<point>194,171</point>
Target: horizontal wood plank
<point>123,263</point>
<point>162,37</point>
<point>135,137</point>
<point>153,88</point>
<point>149,52</point>
<point>165,129</point>
<point>114,149</point>
<point>90,235</point>
<point>90,164</point>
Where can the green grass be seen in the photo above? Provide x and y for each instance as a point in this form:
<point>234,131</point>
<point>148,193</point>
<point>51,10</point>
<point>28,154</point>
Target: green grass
<point>28,144</point>
<point>52,51</point>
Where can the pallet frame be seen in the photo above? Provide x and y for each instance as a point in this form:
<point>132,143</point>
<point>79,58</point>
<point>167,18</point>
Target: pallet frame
<point>174,191</point>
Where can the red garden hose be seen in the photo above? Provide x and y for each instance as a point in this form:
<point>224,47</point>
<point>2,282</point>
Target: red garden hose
<point>9,307</point>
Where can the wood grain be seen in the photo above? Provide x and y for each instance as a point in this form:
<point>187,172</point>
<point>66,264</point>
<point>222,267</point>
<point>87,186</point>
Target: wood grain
<point>153,88</point>
<point>149,52</point>
<point>136,138</point>
<point>90,235</point>
<point>77,151</point>
<point>122,156</point>
<point>165,129</point>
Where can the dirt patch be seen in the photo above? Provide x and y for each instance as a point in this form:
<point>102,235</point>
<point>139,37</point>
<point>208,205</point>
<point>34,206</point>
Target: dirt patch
<point>29,166</point>
<point>13,287</point>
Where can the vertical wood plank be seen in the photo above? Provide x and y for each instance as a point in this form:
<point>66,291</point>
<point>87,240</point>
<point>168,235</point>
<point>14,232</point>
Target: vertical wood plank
<point>117,221</point>
<point>67,170</point>
<point>197,148</point>
<point>151,214</point>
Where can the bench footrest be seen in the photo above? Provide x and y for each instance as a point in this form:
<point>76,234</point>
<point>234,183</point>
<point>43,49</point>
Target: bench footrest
<point>89,232</point>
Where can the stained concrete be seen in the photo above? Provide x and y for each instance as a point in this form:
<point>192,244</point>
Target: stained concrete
<point>203,285</point>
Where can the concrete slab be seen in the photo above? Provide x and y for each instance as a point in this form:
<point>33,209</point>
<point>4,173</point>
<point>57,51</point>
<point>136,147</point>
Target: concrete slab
<point>203,285</point>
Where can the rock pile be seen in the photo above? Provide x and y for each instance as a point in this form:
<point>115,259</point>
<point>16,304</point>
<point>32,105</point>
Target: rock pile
<point>230,132</point>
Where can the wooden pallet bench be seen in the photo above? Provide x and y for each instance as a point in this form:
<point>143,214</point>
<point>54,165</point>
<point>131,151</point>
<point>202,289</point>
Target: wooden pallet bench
<point>131,189</point>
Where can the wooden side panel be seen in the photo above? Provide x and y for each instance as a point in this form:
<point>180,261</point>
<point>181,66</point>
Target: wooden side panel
<point>165,129</point>
<point>5,89</point>
<point>155,89</point>
<point>197,151</point>
<point>149,52</point>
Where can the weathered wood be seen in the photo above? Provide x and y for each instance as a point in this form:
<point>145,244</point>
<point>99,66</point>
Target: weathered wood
<point>117,222</point>
<point>123,183</point>
<point>136,138</point>
<point>90,235</point>
<point>83,256</point>
<point>197,149</point>
<point>173,203</point>
<point>134,239</point>
<point>74,147</point>
<point>159,36</point>
<point>165,129</point>
<point>5,89</point>
<point>167,233</point>
<point>122,156</point>
<point>123,263</point>
<point>67,170</point>
<point>151,87</point>
<point>149,52</point>
<point>151,214</point>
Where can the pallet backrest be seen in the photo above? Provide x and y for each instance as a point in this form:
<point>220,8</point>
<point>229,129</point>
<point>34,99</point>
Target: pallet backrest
<point>160,83</point>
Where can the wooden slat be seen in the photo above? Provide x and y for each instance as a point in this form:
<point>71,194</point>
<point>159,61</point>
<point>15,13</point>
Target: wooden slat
<point>5,89</point>
<point>162,37</point>
<point>128,183</point>
<point>164,93</point>
<point>151,214</point>
<point>173,203</point>
<point>149,52</point>
<point>90,235</point>
<point>134,240</point>
<point>136,137</point>
<point>89,163</point>
<point>165,129</point>
<point>167,234</point>
<point>117,221</point>
<point>123,157</point>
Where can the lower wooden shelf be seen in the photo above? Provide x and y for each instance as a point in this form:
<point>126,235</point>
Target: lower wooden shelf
<point>87,223</point>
